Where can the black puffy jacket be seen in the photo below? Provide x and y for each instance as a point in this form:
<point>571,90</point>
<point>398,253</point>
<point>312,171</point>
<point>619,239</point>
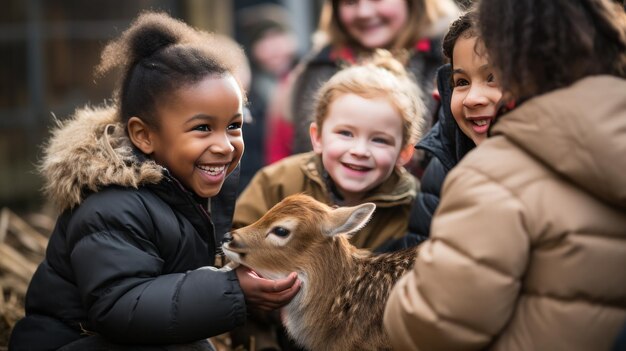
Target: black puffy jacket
<point>447,145</point>
<point>130,254</point>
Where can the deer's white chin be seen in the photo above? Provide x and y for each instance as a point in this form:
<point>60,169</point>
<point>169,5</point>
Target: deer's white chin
<point>233,256</point>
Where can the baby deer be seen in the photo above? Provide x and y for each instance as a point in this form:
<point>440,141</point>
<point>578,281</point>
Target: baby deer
<point>344,289</point>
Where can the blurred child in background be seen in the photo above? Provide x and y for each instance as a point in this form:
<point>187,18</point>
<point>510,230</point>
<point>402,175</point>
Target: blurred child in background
<point>272,51</point>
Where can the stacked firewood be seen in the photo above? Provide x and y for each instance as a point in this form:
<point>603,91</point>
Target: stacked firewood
<point>22,247</point>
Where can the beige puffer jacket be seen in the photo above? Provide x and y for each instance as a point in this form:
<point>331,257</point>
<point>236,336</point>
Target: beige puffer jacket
<point>528,246</point>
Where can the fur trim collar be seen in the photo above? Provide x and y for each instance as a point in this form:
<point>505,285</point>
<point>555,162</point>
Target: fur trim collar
<point>88,151</point>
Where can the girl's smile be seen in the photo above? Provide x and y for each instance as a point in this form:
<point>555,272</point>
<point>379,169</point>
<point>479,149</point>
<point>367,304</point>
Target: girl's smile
<point>213,174</point>
<point>480,125</point>
<point>356,168</point>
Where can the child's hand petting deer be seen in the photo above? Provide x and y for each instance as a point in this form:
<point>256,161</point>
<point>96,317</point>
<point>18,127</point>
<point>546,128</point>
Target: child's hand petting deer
<point>343,288</point>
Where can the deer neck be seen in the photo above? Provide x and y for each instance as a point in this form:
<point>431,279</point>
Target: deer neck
<point>342,290</point>
<point>322,276</point>
<point>322,281</point>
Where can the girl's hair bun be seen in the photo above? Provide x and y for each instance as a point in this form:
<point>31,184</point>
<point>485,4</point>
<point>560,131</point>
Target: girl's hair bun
<point>149,33</point>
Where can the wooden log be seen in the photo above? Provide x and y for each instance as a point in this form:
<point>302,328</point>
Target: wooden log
<point>4,223</point>
<point>14,284</point>
<point>13,262</point>
<point>43,222</point>
<point>25,233</point>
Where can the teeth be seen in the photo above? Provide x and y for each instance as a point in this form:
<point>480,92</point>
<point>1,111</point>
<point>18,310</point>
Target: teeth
<point>480,122</point>
<point>213,170</point>
<point>357,168</point>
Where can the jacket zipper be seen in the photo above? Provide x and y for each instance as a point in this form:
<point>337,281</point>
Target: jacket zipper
<point>218,253</point>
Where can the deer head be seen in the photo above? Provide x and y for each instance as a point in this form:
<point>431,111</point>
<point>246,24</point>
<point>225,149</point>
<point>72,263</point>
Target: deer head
<point>293,234</point>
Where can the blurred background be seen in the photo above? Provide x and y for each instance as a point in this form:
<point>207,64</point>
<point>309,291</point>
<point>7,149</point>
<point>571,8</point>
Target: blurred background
<point>48,50</point>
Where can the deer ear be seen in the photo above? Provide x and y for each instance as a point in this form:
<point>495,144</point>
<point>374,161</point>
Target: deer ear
<point>348,220</point>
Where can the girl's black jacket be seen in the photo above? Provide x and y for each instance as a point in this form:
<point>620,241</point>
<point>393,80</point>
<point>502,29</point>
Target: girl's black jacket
<point>446,145</point>
<point>130,254</point>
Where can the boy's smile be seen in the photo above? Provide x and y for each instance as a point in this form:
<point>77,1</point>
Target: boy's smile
<point>360,143</point>
<point>200,137</point>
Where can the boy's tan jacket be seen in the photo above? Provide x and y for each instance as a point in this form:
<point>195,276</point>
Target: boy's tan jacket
<point>302,174</point>
<point>528,247</point>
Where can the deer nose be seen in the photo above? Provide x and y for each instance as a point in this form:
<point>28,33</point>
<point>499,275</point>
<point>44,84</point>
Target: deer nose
<point>228,237</point>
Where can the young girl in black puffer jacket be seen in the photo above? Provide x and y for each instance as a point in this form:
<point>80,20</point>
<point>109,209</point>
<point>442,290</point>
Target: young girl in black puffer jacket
<point>147,187</point>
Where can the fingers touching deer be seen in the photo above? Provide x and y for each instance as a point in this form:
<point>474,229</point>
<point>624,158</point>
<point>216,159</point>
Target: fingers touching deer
<point>342,299</point>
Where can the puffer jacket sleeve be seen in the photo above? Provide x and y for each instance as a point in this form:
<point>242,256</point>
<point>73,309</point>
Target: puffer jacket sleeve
<point>120,274</point>
<point>466,279</point>
<point>427,199</point>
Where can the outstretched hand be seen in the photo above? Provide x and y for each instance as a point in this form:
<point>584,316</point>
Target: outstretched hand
<point>266,294</point>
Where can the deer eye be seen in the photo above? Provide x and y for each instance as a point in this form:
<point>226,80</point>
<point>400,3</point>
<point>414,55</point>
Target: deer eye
<point>280,231</point>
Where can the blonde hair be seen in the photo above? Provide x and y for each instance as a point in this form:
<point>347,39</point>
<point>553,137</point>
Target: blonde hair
<point>382,76</point>
<point>426,18</point>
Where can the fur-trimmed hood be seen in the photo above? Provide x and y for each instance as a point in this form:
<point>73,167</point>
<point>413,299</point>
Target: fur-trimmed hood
<point>91,150</point>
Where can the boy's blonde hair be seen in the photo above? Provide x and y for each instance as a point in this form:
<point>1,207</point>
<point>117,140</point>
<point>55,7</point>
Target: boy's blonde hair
<point>382,76</point>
